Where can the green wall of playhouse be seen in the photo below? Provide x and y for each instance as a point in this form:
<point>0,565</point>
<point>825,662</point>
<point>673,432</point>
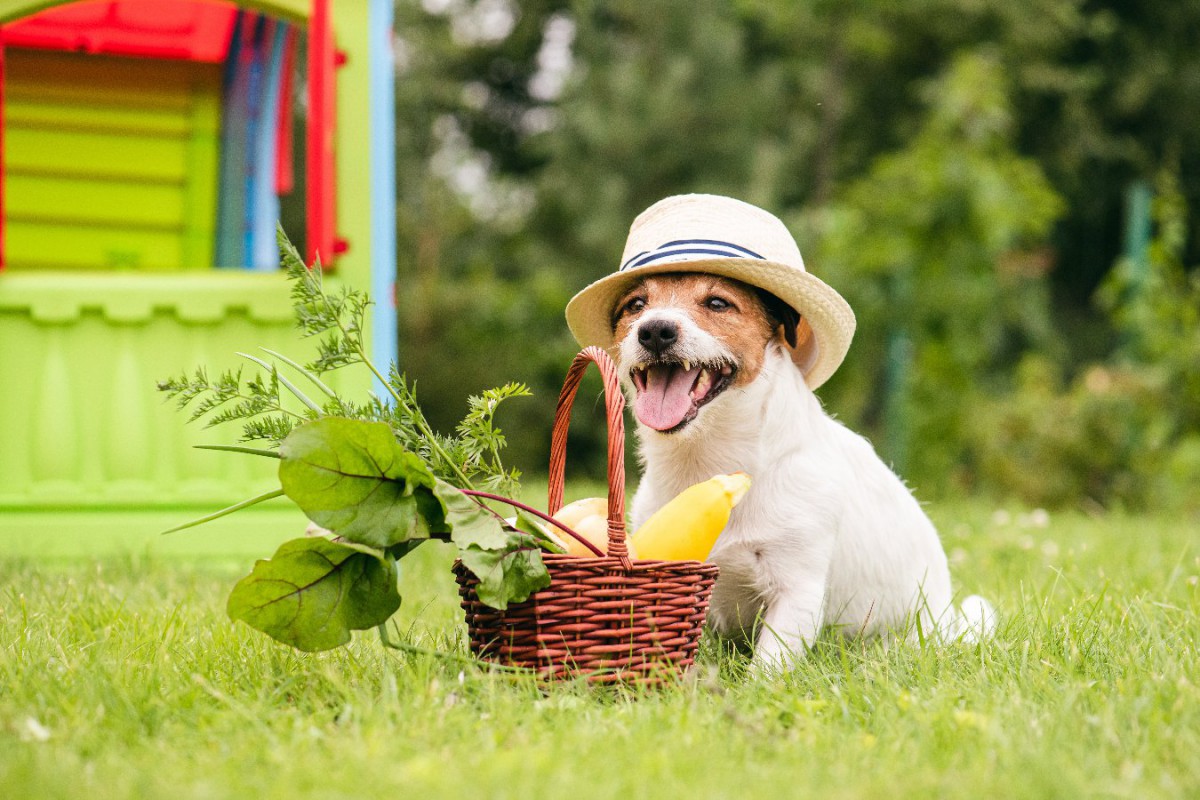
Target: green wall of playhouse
<point>87,445</point>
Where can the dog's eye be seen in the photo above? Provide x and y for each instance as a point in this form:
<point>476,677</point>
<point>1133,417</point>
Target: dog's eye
<point>635,305</point>
<point>717,304</point>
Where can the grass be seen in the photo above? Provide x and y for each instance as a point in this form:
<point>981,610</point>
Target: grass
<point>120,676</point>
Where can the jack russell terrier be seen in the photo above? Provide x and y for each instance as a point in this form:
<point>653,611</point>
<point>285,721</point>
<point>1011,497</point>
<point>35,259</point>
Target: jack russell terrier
<point>721,337</point>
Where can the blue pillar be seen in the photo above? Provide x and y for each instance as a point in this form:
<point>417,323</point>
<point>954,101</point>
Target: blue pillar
<point>383,186</point>
<point>1138,198</point>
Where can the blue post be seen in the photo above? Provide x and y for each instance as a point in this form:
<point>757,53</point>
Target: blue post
<point>383,186</point>
<point>1136,248</point>
<point>1138,231</point>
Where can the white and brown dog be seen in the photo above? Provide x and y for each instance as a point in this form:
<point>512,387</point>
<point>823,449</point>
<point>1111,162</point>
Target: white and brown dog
<point>720,370</point>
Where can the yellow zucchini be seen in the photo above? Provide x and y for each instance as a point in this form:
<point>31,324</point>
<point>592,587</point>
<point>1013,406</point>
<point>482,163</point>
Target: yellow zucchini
<point>687,527</point>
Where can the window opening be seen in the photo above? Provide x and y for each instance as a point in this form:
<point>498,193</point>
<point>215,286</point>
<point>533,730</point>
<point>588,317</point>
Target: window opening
<point>158,137</point>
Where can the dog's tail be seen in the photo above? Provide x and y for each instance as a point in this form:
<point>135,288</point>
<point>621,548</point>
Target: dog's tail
<point>975,620</point>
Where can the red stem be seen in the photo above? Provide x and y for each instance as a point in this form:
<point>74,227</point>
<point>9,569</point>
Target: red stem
<point>539,514</point>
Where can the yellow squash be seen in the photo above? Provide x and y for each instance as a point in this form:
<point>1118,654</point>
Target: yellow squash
<point>686,528</point>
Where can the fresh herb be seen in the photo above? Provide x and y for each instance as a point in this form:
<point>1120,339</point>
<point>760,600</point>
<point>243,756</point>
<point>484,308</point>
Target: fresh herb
<point>470,459</point>
<point>374,474</point>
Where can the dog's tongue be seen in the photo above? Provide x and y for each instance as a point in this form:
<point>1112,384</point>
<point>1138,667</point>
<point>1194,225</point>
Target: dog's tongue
<point>666,399</point>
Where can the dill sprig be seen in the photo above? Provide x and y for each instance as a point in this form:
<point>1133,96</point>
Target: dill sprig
<point>255,401</point>
<point>263,402</point>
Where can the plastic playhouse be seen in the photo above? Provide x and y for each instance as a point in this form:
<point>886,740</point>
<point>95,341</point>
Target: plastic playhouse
<point>149,149</point>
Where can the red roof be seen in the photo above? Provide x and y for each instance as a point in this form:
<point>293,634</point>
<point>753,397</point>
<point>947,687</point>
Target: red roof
<point>194,30</point>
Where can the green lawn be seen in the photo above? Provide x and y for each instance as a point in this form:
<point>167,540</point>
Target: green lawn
<point>120,676</point>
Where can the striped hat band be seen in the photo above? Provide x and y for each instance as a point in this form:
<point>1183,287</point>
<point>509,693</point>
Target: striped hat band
<point>688,250</point>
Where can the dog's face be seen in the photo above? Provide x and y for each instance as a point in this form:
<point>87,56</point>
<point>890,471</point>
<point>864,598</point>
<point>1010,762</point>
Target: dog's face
<point>684,339</point>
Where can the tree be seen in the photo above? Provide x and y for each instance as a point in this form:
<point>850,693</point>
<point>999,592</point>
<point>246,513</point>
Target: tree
<point>940,244</point>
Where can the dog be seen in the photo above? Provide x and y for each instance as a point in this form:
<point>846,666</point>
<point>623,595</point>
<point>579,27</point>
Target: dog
<point>828,535</point>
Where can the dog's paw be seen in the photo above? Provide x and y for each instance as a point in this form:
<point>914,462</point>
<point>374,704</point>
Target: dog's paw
<point>773,656</point>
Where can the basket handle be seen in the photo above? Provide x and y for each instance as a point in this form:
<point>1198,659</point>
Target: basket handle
<point>614,406</point>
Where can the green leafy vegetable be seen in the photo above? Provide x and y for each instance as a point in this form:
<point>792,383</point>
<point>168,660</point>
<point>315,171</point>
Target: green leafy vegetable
<point>314,591</point>
<point>467,522</point>
<point>507,575</point>
<point>352,478</point>
<point>527,523</point>
<point>373,473</point>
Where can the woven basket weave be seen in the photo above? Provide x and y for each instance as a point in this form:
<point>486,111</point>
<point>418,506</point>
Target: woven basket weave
<point>607,618</point>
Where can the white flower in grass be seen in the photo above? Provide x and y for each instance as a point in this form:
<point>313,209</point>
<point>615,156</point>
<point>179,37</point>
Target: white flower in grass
<point>33,731</point>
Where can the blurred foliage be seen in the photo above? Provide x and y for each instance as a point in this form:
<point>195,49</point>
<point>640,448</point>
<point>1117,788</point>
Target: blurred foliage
<point>955,168</point>
<point>941,243</point>
<point>1123,431</point>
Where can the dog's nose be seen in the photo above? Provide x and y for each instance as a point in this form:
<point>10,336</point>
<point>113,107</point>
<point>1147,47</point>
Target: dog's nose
<point>657,335</point>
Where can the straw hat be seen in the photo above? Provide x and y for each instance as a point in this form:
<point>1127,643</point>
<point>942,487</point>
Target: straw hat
<point>722,236</point>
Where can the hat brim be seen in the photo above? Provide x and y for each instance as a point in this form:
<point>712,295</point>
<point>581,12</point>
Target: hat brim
<point>589,313</point>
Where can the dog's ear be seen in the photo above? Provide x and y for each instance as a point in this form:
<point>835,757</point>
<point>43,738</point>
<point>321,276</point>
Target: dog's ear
<point>782,314</point>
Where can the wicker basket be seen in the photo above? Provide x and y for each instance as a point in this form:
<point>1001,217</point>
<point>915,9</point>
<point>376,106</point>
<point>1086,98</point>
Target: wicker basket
<point>607,618</point>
